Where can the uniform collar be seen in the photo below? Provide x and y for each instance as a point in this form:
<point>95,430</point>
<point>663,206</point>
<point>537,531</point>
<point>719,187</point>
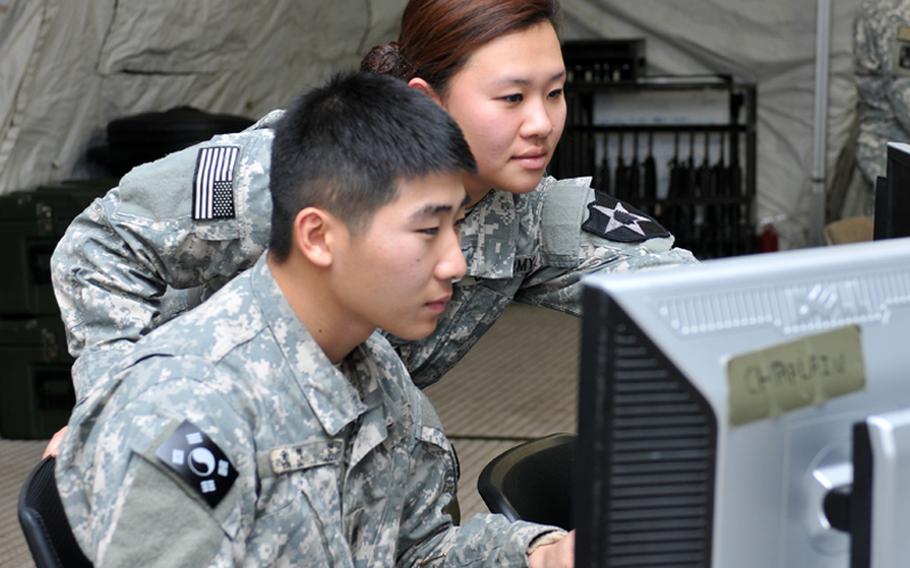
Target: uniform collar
<point>332,398</point>
<point>489,235</point>
<point>268,120</point>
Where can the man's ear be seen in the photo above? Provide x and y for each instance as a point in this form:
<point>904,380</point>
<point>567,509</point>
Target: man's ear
<point>425,88</point>
<point>314,235</point>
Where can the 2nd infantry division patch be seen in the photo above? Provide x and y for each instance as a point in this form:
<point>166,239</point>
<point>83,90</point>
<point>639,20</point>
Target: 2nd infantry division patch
<point>213,183</point>
<point>199,462</point>
<point>617,221</point>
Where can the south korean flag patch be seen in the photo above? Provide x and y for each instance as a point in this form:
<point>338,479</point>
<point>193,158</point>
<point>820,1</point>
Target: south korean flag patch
<point>213,183</point>
<point>617,221</point>
<point>199,462</point>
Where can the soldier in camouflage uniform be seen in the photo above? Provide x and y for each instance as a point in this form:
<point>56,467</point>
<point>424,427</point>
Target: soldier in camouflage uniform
<point>272,425</point>
<point>882,67</point>
<point>530,240</point>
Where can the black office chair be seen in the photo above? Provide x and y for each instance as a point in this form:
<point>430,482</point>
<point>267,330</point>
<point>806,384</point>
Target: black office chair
<point>532,481</point>
<point>47,532</point>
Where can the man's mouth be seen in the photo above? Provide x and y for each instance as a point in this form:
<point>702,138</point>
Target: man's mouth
<point>439,305</point>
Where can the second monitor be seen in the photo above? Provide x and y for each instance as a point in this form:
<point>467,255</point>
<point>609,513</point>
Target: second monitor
<point>892,195</point>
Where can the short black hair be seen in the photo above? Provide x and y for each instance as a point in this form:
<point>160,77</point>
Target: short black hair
<point>344,147</point>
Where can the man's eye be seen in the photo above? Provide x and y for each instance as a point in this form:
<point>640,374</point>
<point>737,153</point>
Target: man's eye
<point>432,231</point>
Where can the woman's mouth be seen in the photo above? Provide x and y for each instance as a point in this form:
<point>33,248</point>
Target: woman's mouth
<point>532,161</point>
<point>535,162</point>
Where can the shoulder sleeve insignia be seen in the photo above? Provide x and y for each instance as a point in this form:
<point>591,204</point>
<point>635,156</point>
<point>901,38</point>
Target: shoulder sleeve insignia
<point>199,462</point>
<point>617,221</point>
<point>213,183</point>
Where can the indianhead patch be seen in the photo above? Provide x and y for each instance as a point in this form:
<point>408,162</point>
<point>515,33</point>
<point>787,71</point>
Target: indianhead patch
<point>617,221</point>
<point>213,183</point>
<point>199,462</point>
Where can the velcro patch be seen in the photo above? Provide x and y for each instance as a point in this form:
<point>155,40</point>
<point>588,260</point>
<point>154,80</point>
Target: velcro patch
<point>617,221</point>
<point>199,462</point>
<point>291,458</point>
<point>903,33</point>
<point>213,183</point>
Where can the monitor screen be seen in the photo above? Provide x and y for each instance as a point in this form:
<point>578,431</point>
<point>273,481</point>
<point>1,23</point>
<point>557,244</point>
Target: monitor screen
<point>717,404</point>
<point>892,195</point>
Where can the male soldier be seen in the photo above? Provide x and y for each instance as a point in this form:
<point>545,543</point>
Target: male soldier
<point>882,67</point>
<point>155,232</point>
<point>272,425</point>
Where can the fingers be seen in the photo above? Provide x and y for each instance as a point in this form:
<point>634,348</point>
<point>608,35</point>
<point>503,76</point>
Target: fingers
<point>560,554</point>
<point>53,447</point>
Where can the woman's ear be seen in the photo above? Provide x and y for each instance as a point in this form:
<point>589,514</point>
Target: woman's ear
<point>314,236</point>
<point>425,88</point>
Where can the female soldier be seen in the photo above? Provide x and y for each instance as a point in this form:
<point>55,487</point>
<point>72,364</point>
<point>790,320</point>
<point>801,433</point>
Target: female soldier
<point>193,220</point>
<point>496,66</point>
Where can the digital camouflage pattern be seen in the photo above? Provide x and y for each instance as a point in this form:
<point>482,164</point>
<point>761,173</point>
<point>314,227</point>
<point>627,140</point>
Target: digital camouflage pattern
<point>529,248</point>
<point>121,259</point>
<point>344,466</point>
<point>881,63</point>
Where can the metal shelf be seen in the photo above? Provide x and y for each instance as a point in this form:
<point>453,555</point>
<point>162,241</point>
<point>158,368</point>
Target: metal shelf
<point>710,224</point>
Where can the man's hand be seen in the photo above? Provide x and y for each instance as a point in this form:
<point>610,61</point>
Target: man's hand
<point>560,554</point>
<point>53,447</point>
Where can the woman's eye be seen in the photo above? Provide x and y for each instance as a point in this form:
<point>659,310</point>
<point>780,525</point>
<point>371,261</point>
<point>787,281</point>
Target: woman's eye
<point>516,98</point>
<point>432,231</point>
<point>555,94</point>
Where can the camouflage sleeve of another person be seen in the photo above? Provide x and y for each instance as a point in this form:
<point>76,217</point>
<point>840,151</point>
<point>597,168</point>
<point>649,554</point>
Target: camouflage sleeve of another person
<point>120,256</point>
<point>577,238</point>
<point>427,536</point>
<point>881,65</point>
<point>893,25</point>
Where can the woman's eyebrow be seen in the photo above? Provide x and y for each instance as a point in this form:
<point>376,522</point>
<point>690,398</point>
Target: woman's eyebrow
<point>524,81</point>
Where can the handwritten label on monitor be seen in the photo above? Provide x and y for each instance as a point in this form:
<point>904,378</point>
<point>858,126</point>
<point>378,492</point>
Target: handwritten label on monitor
<point>789,376</point>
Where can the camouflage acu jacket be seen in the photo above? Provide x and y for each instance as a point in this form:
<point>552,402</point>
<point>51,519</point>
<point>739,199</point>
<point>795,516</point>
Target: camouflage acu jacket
<point>881,63</point>
<point>227,438</point>
<point>121,258</point>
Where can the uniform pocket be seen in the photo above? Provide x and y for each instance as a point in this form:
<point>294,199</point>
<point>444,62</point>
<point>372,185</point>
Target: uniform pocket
<point>440,444</point>
<point>560,231</point>
<point>287,530</point>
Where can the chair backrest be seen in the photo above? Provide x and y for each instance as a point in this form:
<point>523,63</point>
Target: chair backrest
<point>532,481</point>
<point>47,532</point>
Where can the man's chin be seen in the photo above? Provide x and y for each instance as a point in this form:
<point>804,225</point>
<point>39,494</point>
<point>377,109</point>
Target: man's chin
<point>414,332</point>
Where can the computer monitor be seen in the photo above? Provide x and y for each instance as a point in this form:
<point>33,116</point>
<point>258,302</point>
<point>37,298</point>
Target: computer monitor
<point>892,195</point>
<point>717,404</point>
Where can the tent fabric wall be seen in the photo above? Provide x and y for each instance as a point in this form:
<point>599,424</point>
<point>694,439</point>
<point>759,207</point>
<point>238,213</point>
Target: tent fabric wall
<point>67,68</point>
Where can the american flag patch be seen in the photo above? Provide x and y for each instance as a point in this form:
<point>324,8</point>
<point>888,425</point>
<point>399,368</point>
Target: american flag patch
<point>213,184</point>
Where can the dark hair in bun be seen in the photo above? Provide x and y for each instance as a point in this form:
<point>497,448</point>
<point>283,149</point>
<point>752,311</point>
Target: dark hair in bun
<point>386,59</point>
<point>438,36</point>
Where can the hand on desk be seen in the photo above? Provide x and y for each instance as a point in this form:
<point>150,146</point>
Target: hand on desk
<point>560,554</point>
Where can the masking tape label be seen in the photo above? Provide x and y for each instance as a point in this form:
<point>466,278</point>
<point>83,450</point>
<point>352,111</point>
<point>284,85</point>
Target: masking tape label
<point>786,377</point>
